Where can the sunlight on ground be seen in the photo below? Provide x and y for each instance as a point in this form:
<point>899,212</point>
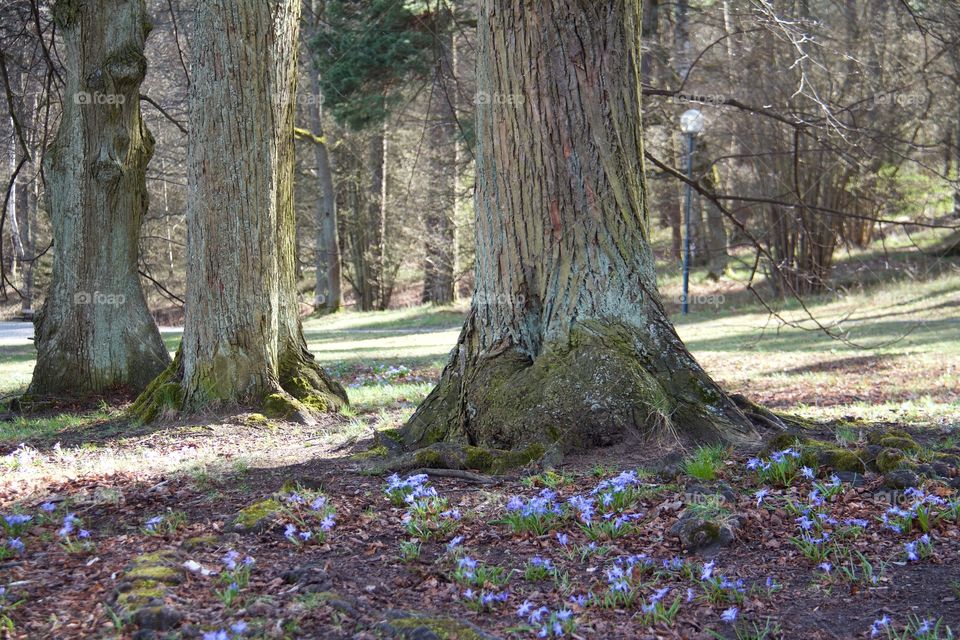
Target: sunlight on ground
<point>897,358</point>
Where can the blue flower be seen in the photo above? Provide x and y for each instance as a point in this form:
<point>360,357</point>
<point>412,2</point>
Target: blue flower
<point>707,571</point>
<point>16,545</point>
<point>453,544</point>
<point>17,519</point>
<point>878,625</point>
<point>524,608</point>
<point>563,538</point>
<point>808,473</point>
<point>760,495</point>
<point>318,504</point>
<point>153,522</point>
<point>579,600</point>
<point>290,532</point>
<point>911,550</point>
<point>48,507</point>
<point>305,535</point>
<point>730,614</point>
<point>239,627</point>
<point>328,522</point>
<point>83,533</point>
<point>216,635</point>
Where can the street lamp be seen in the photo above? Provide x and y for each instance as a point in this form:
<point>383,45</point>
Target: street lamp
<point>691,124</point>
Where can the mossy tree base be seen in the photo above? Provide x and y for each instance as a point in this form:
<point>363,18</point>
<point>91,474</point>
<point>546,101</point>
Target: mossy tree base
<point>608,382</point>
<point>304,391</point>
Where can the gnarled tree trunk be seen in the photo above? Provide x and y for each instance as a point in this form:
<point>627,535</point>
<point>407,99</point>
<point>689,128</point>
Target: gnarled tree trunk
<point>94,332</point>
<point>567,344</point>
<point>242,341</point>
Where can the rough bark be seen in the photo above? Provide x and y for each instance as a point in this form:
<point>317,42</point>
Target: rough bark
<point>440,241</point>
<point>94,331</point>
<point>567,344</point>
<point>299,374</point>
<point>242,342</point>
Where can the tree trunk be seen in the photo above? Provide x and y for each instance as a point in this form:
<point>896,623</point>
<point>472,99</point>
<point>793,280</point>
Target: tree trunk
<point>371,297</point>
<point>567,344</point>
<point>440,242</point>
<point>328,297</point>
<point>242,341</point>
<point>300,375</point>
<point>94,331</point>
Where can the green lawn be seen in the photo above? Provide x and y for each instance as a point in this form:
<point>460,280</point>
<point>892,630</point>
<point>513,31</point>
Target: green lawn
<point>899,357</point>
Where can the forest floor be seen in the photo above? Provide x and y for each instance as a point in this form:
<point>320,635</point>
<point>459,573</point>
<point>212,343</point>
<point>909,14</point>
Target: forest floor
<point>164,507</point>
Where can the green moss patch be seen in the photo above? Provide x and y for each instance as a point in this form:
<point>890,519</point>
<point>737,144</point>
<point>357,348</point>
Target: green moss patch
<point>256,515</point>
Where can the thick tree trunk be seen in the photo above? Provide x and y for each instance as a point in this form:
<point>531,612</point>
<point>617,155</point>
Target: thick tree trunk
<point>567,344</point>
<point>440,243</point>
<point>242,341</point>
<point>94,331</point>
<point>300,375</point>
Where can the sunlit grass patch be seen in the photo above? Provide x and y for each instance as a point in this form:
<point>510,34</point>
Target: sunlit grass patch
<point>22,428</point>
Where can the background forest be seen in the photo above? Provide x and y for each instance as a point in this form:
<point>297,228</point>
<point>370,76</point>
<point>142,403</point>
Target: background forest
<point>435,379</point>
<point>385,144</point>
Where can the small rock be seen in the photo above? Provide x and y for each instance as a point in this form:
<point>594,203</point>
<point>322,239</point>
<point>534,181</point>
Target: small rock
<point>157,618</point>
<point>311,576</point>
<point>422,633</point>
<point>955,483</point>
<point>851,477</point>
<point>670,467</point>
<point>900,479</point>
<point>941,469</point>
<point>696,533</point>
<point>721,489</point>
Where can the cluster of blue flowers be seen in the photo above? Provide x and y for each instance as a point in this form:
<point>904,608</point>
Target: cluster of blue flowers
<point>305,510</point>
<point>407,490</point>
<point>552,624</point>
<point>237,630</point>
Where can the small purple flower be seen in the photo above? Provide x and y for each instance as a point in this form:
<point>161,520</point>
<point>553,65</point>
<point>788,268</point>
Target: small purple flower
<point>16,545</point>
<point>83,534</point>
<point>524,609</point>
<point>48,507</point>
<point>328,522</point>
<point>707,572</point>
<point>730,614</point>
<point>878,625</point>
<point>911,549</point>
<point>239,628</point>
<point>305,535</point>
<point>453,544</point>
<point>760,495</point>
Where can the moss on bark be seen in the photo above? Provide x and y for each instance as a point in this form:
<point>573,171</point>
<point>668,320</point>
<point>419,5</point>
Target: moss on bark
<point>603,385</point>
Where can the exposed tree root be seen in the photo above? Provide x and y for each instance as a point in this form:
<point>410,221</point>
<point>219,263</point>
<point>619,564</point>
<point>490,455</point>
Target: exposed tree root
<point>607,383</point>
<point>304,392</point>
